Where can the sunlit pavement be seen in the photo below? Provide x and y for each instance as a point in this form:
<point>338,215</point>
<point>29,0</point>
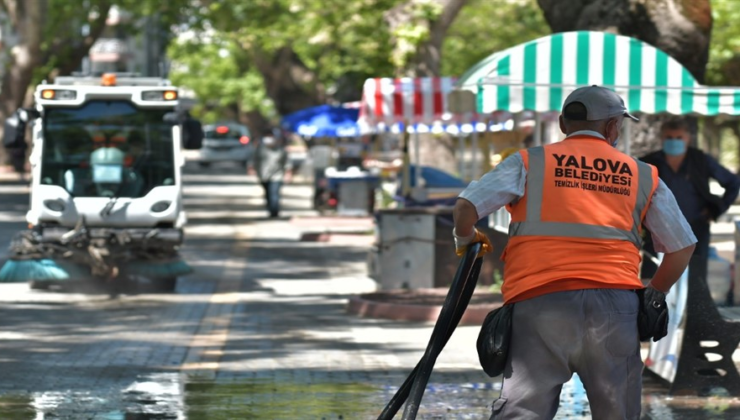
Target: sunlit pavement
<point>259,331</point>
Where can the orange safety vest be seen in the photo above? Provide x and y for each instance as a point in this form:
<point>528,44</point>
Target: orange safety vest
<point>578,225</point>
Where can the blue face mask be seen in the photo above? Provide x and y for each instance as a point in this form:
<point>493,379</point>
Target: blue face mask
<point>614,143</point>
<point>674,147</point>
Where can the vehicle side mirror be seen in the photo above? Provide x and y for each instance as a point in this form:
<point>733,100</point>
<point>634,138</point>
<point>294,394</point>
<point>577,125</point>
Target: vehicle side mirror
<point>172,118</point>
<point>14,130</point>
<point>192,134</point>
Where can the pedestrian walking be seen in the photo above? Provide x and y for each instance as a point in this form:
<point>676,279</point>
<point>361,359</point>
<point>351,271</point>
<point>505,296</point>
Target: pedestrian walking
<point>687,171</point>
<point>572,261</point>
<point>270,161</point>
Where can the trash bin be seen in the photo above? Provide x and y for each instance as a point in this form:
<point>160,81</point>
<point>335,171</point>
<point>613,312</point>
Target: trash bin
<point>415,249</point>
<point>355,191</point>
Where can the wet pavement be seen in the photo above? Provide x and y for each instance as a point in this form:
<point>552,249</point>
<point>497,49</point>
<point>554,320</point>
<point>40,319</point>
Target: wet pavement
<point>258,332</point>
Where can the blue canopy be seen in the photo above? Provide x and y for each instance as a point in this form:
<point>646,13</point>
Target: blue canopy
<point>323,121</point>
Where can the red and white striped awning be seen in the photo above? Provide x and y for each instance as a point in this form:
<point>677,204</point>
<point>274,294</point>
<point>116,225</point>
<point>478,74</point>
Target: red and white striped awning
<point>405,100</point>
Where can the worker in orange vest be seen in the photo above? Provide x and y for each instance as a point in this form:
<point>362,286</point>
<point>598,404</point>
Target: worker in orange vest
<point>572,261</point>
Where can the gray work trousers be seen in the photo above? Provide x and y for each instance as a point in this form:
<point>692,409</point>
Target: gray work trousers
<point>591,332</point>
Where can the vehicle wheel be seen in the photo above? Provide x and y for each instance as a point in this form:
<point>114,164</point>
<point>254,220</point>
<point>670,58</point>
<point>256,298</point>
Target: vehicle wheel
<point>39,285</point>
<point>165,285</point>
<point>204,164</point>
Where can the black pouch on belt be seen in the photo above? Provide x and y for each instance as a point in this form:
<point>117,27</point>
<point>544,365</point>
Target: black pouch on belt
<point>652,315</point>
<point>493,340</point>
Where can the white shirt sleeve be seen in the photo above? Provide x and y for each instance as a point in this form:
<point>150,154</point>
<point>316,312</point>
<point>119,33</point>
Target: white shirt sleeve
<point>504,184</point>
<point>667,225</point>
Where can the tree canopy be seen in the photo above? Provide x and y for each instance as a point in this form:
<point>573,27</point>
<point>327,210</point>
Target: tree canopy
<point>485,27</point>
<point>313,51</point>
<point>271,57</point>
<point>274,57</point>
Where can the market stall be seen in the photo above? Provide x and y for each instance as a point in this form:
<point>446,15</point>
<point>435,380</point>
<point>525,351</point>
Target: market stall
<point>336,155</point>
<point>406,105</point>
<point>324,121</point>
<point>413,246</point>
<point>413,106</point>
<point>539,74</point>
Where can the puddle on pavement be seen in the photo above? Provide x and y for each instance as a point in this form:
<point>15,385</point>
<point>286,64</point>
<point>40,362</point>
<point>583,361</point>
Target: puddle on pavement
<point>173,396</point>
<point>270,400</point>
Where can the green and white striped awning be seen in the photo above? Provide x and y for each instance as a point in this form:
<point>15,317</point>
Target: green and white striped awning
<point>539,74</point>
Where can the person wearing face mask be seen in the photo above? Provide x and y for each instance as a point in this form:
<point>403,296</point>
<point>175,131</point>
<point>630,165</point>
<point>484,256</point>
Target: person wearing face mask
<point>686,171</point>
<point>572,260</point>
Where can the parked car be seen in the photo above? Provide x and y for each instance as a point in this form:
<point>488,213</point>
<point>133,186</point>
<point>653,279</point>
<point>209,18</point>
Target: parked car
<point>226,142</point>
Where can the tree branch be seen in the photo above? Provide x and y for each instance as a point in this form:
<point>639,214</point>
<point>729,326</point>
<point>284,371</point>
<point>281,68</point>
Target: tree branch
<point>286,78</point>
<point>75,54</point>
<point>451,9</point>
<point>32,26</point>
<point>11,8</point>
<point>428,56</point>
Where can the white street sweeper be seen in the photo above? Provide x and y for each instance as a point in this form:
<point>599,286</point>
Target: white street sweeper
<point>106,195</point>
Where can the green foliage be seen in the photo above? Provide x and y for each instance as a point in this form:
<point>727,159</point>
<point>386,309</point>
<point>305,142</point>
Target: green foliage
<point>725,43</point>
<point>63,35</point>
<point>410,35</point>
<point>212,70</point>
<point>341,42</point>
<point>488,26</point>
<point>331,37</point>
<point>408,38</point>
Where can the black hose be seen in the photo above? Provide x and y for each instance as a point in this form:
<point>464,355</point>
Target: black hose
<point>461,290</point>
<point>403,392</point>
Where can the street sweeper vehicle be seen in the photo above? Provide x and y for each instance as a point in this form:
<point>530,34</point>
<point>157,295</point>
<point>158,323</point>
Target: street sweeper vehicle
<point>106,192</point>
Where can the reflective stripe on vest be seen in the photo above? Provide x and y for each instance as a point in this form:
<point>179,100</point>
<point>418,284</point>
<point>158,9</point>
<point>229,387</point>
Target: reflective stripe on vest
<point>534,226</point>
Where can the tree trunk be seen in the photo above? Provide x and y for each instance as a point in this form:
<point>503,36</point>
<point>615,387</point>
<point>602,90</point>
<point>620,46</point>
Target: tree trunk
<point>288,82</point>
<point>27,20</point>
<point>426,60</point>
<point>71,54</point>
<point>429,56</point>
<point>681,28</point>
<point>256,122</point>
<point>712,135</point>
<point>435,151</point>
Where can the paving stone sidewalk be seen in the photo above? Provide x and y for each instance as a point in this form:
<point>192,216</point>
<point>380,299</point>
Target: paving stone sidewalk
<point>300,355</point>
<point>290,330</point>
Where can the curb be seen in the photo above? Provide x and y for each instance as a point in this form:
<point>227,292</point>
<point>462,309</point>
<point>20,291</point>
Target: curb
<point>349,239</point>
<point>357,305</point>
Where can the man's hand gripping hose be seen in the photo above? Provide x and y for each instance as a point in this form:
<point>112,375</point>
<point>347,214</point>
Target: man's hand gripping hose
<point>462,242</point>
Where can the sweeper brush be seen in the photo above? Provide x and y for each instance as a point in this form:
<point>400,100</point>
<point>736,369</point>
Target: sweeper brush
<point>20,271</point>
